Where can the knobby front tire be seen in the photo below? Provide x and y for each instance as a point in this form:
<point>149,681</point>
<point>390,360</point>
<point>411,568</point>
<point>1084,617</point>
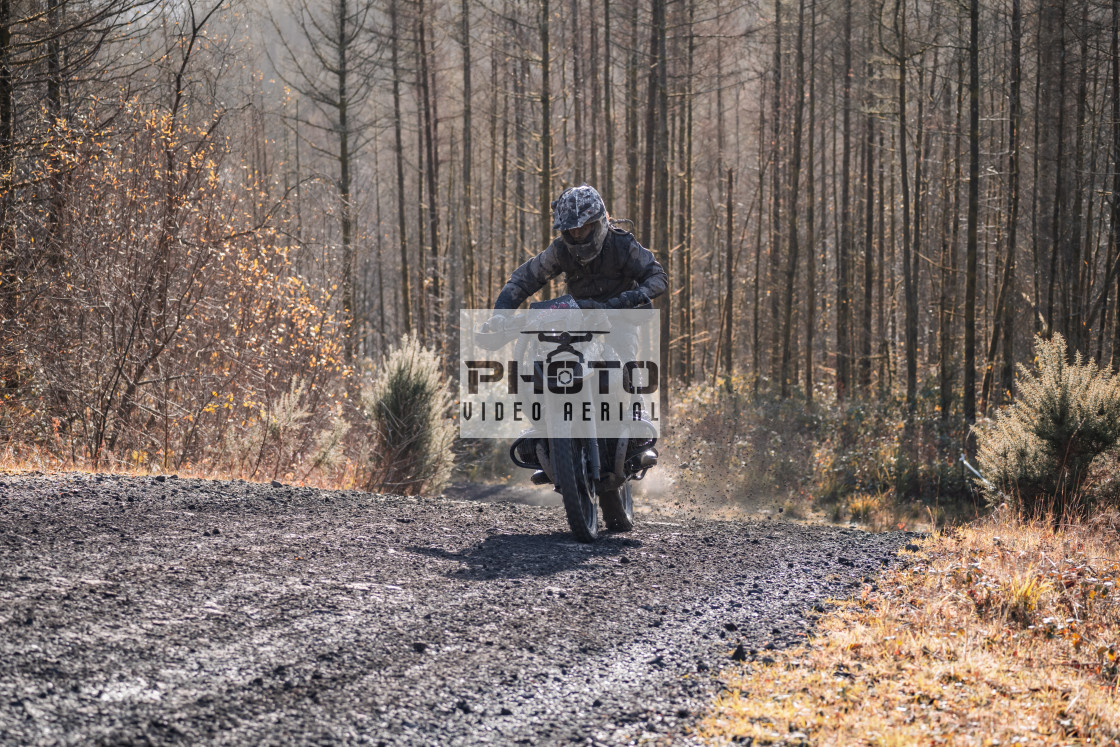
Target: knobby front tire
<point>573,477</point>
<point>618,508</point>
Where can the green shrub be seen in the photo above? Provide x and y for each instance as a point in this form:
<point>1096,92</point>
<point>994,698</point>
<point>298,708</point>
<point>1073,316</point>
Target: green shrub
<point>1038,449</point>
<point>407,405</point>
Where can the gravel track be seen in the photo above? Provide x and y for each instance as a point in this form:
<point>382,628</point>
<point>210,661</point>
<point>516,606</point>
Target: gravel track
<point>150,610</point>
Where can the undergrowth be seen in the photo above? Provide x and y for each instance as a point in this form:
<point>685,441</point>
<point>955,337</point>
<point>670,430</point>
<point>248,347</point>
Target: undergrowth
<point>872,462</point>
<point>397,437</point>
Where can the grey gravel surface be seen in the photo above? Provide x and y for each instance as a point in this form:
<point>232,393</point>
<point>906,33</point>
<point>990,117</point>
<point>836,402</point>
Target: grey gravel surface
<point>174,611</point>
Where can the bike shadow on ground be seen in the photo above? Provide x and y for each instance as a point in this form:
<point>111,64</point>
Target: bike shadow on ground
<point>511,556</point>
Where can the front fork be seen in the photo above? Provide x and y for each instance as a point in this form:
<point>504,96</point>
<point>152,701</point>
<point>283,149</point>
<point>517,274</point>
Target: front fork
<point>528,451</point>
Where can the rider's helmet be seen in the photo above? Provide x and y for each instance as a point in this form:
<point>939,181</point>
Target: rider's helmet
<point>577,207</point>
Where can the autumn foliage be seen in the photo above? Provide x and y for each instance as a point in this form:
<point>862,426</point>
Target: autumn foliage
<point>157,320</point>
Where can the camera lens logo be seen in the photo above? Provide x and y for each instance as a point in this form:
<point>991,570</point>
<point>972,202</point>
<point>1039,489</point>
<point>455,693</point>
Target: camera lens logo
<point>565,376</point>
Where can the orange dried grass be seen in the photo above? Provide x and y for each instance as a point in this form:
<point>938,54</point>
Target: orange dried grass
<point>1004,632</point>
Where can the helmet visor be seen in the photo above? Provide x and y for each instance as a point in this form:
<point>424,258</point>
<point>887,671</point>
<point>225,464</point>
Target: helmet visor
<point>586,251</point>
<point>589,247</point>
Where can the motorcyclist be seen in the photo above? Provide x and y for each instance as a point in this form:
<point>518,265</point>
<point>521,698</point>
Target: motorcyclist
<point>604,266</point>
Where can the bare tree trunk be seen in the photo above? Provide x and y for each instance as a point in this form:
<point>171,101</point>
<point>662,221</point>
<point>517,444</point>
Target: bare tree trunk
<point>868,259</point>
<point>686,226</point>
<point>608,116</point>
<point>632,177</point>
<point>1004,318</point>
<point>546,127</point>
<point>54,111</point>
<point>1055,138</point>
<point>729,300</point>
<point>973,212</point>
<point>431,162</point>
<point>470,292</point>
<point>520,88</point>
<point>844,248</point>
<point>7,144</point>
<point>1078,335</point>
<point>646,224</point>
<point>423,294</point>
<point>661,234</point>
<point>916,234</point>
<point>776,196</point>
<point>1008,370</point>
<point>495,189</point>
<point>810,213</point>
<point>9,265</point>
<point>1114,224</point>
<point>948,279</point>
<point>344,165</point>
<point>379,256</point>
<point>576,91</point>
<point>756,341</point>
<point>7,110</point>
<point>794,194</point>
<point>908,280</point>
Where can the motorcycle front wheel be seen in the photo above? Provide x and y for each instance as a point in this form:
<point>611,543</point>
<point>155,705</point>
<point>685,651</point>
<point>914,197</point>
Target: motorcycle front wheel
<point>618,508</point>
<point>573,477</point>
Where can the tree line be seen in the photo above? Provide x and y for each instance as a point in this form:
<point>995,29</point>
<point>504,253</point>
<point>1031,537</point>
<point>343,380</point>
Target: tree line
<point>207,206</point>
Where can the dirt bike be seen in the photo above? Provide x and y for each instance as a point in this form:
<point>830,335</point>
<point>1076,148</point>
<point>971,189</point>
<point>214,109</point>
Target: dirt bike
<point>580,468</point>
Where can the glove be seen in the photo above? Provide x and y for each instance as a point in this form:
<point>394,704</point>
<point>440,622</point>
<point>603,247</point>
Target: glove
<point>589,303</point>
<point>493,325</point>
<point>630,299</point>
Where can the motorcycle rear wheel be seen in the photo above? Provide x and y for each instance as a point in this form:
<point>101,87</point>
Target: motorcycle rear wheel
<point>618,508</point>
<point>573,476</point>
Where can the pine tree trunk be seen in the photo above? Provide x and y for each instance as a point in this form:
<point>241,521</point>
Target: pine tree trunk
<point>662,236</point>
<point>1114,224</point>
<point>908,285</point>
<point>729,295</point>
<point>973,212</point>
<point>1007,376</point>
<point>687,195</point>
<point>651,140</point>
<point>774,279</point>
<point>810,213</point>
<point>868,259</point>
<point>470,293</point>
<point>344,165</point>
<point>608,114</point>
<point>794,195</point>
<point>844,247</point>
<point>545,197</point>
<point>632,176</point>
<point>431,162</point>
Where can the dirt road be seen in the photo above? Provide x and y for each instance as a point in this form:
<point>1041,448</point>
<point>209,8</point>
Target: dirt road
<point>144,610</point>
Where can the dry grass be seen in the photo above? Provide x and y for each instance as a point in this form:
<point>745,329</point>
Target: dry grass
<point>21,460</point>
<point>1003,632</point>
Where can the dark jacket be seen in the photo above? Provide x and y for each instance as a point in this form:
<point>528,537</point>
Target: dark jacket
<point>622,265</point>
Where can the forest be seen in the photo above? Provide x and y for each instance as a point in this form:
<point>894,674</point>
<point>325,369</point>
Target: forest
<point>216,217</point>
